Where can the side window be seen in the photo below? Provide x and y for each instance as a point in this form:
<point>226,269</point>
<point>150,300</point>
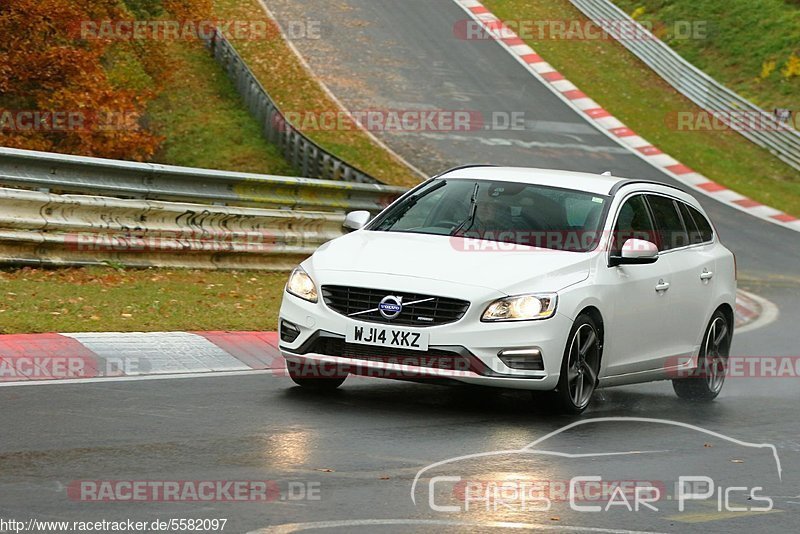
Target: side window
<point>695,237</point>
<point>669,226</point>
<point>703,226</point>
<point>633,222</point>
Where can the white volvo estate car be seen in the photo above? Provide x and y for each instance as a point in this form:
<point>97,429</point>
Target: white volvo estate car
<point>519,278</point>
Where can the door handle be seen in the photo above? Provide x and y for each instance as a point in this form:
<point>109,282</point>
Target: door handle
<point>706,275</point>
<point>662,286</point>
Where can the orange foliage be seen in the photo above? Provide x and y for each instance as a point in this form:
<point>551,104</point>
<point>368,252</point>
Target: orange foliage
<point>46,66</point>
<point>189,9</point>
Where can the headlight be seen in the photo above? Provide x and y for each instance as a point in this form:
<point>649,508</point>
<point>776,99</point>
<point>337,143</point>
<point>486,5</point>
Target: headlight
<point>301,285</point>
<point>522,308</point>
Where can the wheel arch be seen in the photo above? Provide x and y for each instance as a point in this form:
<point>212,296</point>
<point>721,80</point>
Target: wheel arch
<point>597,317</point>
<point>729,314</point>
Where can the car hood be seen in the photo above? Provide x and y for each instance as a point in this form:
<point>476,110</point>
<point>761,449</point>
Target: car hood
<point>453,260</point>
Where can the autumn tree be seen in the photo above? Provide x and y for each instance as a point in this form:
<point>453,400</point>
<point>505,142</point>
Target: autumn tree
<point>49,65</point>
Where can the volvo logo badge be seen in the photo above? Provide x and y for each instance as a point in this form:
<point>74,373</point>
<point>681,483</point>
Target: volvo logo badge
<point>391,306</point>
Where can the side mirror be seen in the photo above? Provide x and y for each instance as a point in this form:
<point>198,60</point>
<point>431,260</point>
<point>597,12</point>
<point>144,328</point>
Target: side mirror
<point>636,252</point>
<point>356,220</point>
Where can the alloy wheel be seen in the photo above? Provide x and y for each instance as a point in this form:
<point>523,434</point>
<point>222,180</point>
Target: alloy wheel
<point>716,353</point>
<point>583,365</point>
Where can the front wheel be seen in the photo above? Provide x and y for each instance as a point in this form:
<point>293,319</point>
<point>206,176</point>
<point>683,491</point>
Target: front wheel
<point>313,376</point>
<point>705,382</point>
<point>579,368</point>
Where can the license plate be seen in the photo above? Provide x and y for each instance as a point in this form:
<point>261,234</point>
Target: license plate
<point>387,337</point>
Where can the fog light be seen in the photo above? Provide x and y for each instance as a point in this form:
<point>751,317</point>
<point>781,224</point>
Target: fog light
<point>522,359</point>
<point>289,331</point>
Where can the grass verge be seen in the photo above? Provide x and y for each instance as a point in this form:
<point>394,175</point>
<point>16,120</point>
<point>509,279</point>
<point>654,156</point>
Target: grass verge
<point>292,87</point>
<point>147,300</point>
<point>748,46</point>
<point>203,121</point>
<point>624,86</point>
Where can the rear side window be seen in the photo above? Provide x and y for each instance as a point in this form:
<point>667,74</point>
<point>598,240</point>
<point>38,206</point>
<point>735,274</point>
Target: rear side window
<point>704,227</point>
<point>669,225</point>
<point>695,237</point>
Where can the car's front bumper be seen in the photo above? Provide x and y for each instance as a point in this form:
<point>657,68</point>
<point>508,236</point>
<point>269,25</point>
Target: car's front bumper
<point>477,342</point>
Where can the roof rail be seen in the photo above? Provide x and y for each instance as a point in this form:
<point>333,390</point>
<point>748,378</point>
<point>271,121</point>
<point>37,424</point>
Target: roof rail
<point>467,166</point>
<point>622,183</point>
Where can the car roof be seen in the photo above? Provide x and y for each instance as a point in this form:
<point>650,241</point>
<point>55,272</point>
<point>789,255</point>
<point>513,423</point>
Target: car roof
<point>578,181</point>
<point>598,184</point>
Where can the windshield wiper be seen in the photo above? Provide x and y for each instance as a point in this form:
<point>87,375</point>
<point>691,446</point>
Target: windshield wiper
<point>473,207</point>
<point>391,218</point>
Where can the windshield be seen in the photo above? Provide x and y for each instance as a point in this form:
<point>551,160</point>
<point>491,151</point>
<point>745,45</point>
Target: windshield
<point>510,212</point>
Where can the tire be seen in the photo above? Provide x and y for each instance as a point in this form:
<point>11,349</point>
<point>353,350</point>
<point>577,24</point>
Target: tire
<point>579,367</point>
<point>312,376</point>
<point>705,382</point>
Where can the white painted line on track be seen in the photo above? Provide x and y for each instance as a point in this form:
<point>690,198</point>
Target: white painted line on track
<point>299,527</point>
<point>135,378</point>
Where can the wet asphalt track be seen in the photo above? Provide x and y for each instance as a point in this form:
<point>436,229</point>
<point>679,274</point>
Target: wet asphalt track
<point>375,436</point>
<point>365,443</point>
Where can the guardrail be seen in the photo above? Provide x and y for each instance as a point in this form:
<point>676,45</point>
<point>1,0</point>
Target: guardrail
<point>703,90</point>
<point>167,216</point>
<point>307,157</point>
<point>95,176</point>
<point>39,228</point>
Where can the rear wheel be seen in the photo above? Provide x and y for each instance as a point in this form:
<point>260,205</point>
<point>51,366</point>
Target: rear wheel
<point>705,382</point>
<point>579,368</point>
<point>313,376</point>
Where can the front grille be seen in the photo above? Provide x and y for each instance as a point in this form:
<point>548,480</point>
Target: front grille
<point>436,359</point>
<point>433,312</point>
